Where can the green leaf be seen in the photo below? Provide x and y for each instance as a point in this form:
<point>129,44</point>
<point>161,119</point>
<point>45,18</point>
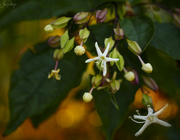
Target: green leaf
<point>110,116</point>
<point>115,54</point>
<point>43,9</point>
<point>98,33</point>
<point>120,63</point>
<point>69,45</point>
<point>64,39</point>
<point>167,39</point>
<point>139,29</point>
<point>32,93</point>
<point>166,71</point>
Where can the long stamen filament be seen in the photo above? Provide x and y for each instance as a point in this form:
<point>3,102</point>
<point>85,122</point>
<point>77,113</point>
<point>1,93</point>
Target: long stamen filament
<point>137,111</point>
<point>135,120</point>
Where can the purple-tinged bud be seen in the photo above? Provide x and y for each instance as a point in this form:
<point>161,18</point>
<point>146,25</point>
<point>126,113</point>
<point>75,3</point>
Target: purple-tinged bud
<point>150,83</point>
<point>54,41</point>
<point>81,17</point>
<point>136,79</point>
<point>101,15</point>
<point>119,33</point>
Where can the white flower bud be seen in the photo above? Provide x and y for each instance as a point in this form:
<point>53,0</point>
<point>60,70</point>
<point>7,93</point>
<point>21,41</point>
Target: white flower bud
<point>48,28</point>
<point>129,76</point>
<point>87,97</point>
<point>147,68</point>
<point>79,50</point>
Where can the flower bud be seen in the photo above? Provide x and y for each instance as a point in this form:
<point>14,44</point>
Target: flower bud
<point>129,76</point>
<point>79,50</point>
<point>101,15</point>
<point>87,97</point>
<point>58,54</point>
<point>81,17</point>
<point>134,47</point>
<point>96,80</point>
<point>115,85</point>
<point>119,33</point>
<point>84,34</point>
<point>48,28</point>
<point>150,83</point>
<point>147,68</point>
<point>136,79</point>
<point>61,22</point>
<point>147,100</point>
<point>54,41</point>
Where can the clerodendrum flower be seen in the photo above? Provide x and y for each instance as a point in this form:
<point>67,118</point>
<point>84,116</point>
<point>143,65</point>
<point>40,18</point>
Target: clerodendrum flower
<point>102,58</point>
<point>149,119</point>
<point>55,74</point>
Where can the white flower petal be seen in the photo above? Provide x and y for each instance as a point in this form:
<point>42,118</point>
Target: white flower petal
<point>163,123</point>
<point>92,59</point>
<point>147,123</point>
<point>161,110</point>
<point>106,50</point>
<point>108,59</point>
<point>140,117</point>
<point>104,69</point>
<point>97,49</point>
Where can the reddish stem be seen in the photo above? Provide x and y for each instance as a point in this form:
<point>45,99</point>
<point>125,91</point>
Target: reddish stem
<point>55,68</point>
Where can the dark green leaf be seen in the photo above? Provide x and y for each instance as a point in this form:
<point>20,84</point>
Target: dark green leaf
<point>98,33</point>
<point>110,116</point>
<point>166,71</point>
<point>167,39</point>
<point>40,9</point>
<point>171,3</point>
<point>32,93</point>
<point>139,29</point>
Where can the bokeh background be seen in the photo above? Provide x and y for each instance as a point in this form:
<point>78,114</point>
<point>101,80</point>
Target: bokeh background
<point>73,119</point>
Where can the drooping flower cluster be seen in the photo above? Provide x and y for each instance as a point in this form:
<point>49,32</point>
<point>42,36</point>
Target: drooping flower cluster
<point>107,56</point>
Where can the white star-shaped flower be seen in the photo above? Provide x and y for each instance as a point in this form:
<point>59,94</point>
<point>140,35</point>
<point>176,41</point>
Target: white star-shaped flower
<point>102,58</point>
<point>149,119</point>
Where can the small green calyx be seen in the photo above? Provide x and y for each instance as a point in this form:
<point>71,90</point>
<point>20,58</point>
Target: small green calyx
<point>58,54</point>
<point>96,80</point>
<point>134,47</point>
<point>81,17</point>
<point>115,85</point>
<point>84,34</point>
<point>61,22</point>
<point>147,100</point>
<point>110,41</point>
